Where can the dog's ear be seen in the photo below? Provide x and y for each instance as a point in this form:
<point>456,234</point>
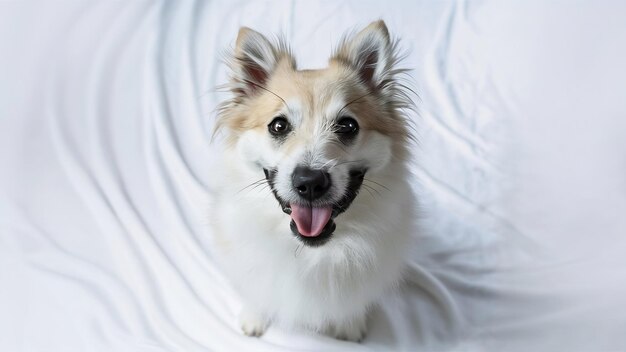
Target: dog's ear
<point>255,59</point>
<point>369,52</point>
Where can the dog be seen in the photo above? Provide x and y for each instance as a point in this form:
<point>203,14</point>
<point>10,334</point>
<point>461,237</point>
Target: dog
<point>314,213</point>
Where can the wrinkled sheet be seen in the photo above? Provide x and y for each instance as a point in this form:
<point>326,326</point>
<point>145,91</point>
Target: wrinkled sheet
<point>106,111</point>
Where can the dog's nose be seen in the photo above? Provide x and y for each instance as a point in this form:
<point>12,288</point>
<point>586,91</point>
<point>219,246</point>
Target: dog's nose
<point>310,184</point>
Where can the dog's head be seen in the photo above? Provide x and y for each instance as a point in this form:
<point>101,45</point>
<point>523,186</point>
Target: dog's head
<point>316,134</point>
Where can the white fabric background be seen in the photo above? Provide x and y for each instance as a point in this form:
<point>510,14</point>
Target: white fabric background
<point>106,109</point>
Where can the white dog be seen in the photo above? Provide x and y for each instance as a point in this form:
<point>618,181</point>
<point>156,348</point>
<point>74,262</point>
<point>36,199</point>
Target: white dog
<point>314,214</point>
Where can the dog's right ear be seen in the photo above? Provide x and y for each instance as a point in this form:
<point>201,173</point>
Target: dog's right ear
<point>254,61</point>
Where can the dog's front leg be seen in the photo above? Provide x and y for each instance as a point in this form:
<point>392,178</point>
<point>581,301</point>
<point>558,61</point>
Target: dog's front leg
<point>252,322</point>
<point>350,330</point>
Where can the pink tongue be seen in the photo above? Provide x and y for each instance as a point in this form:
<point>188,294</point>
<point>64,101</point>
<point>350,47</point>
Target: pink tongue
<point>310,221</point>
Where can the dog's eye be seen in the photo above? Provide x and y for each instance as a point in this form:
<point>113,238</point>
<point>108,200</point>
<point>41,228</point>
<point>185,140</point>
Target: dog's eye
<point>347,126</point>
<point>279,126</point>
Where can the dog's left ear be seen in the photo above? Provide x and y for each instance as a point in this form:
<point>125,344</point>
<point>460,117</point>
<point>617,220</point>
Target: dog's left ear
<point>369,52</point>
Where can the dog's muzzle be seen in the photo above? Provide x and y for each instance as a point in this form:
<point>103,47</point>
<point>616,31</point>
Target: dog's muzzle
<point>312,219</point>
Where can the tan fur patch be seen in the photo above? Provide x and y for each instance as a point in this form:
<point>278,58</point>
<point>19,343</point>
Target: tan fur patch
<point>314,90</point>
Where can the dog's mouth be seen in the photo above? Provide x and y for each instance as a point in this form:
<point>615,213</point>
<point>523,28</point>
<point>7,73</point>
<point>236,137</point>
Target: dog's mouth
<point>313,223</point>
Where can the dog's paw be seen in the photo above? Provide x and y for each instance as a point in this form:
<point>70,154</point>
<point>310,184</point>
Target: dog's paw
<point>351,331</point>
<point>252,323</point>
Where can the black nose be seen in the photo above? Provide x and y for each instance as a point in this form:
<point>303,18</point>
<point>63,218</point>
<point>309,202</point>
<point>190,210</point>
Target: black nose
<point>310,184</point>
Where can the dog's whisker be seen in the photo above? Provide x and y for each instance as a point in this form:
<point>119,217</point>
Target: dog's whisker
<point>257,185</point>
<point>265,188</point>
<point>352,102</point>
<point>380,184</point>
<point>368,188</point>
<point>252,184</point>
<point>373,188</point>
<point>265,89</point>
<point>370,192</point>
<point>297,251</point>
<point>262,189</point>
<point>328,162</point>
